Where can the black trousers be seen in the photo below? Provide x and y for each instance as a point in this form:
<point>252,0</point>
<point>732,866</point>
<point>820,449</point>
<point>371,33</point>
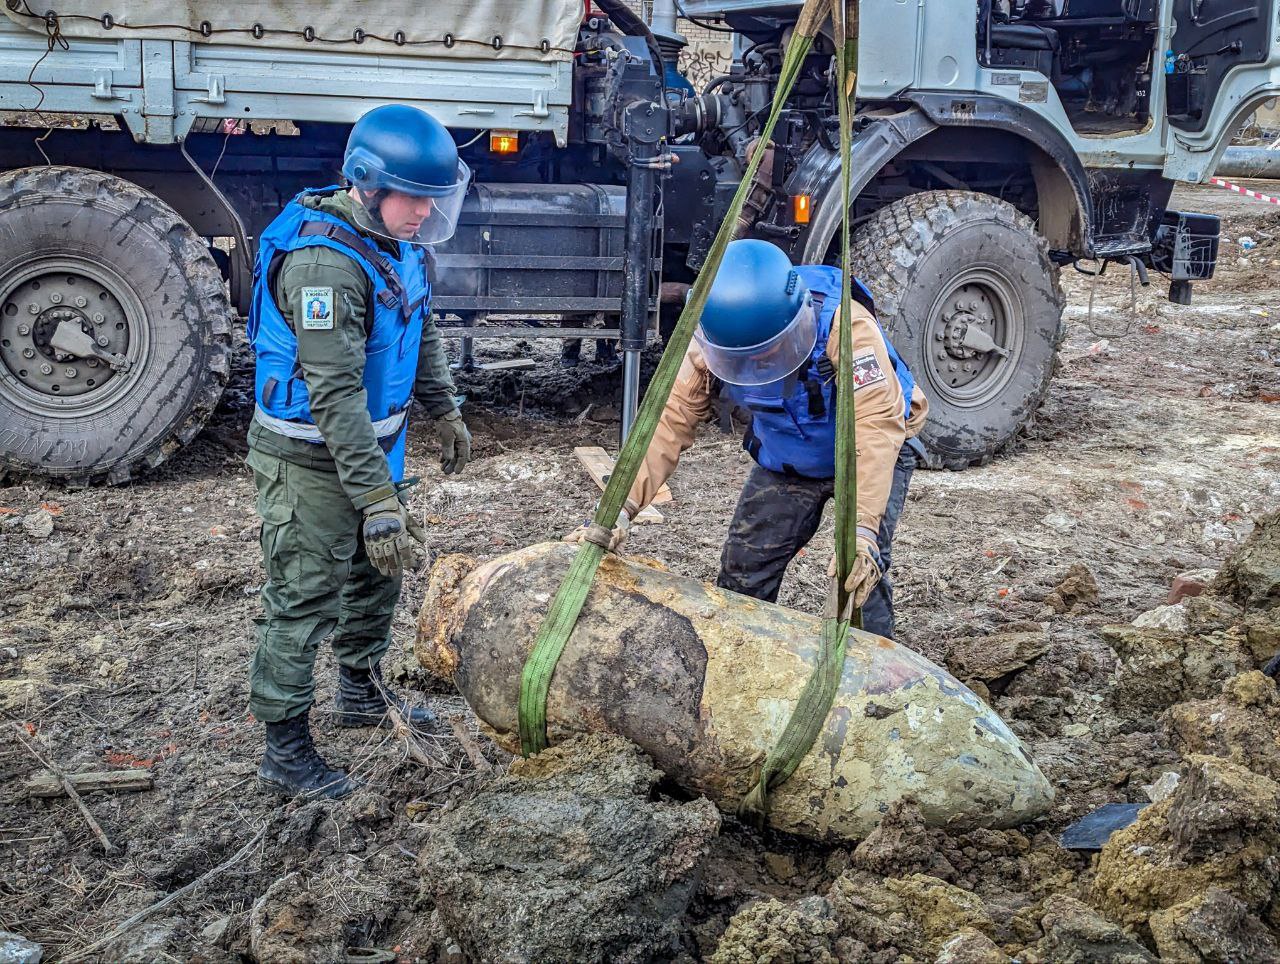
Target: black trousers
<point>776,517</point>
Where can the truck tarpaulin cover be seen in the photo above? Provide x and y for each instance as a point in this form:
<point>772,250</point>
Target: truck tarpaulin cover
<point>529,30</point>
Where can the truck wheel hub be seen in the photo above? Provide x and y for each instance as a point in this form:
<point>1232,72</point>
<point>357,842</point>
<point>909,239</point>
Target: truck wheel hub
<point>957,326</point>
<point>973,338</point>
<point>35,300</point>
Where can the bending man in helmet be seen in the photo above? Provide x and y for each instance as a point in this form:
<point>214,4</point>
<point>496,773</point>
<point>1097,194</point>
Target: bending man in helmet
<point>344,342</point>
<point>766,343</point>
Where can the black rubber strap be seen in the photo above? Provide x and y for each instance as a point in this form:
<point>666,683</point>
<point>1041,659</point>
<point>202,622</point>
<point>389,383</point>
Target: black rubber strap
<point>429,266</point>
<point>367,249</point>
<point>817,407</point>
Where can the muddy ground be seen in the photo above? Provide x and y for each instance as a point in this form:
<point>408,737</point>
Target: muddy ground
<point>125,635</point>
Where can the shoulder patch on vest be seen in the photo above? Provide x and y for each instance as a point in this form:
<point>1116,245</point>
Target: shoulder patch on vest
<point>866,370</point>
<point>317,309</point>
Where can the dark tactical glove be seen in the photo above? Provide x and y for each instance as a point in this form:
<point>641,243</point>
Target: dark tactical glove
<point>455,442</point>
<point>388,528</point>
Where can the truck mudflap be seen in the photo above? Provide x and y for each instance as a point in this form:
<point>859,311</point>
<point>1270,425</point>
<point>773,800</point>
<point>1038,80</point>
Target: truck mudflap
<point>1186,249</point>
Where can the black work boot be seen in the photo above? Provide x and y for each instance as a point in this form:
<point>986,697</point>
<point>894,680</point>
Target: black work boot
<point>606,351</point>
<point>363,700</point>
<point>291,766</point>
<point>570,353</point>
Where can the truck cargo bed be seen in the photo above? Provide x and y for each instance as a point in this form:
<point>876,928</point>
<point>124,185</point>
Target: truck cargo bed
<point>163,89</point>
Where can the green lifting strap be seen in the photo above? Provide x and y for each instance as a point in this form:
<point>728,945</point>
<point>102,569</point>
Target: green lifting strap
<point>554,632</point>
<point>819,692</point>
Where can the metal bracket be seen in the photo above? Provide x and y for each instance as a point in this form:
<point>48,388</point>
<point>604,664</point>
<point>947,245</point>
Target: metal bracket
<point>103,88</point>
<point>243,249</point>
<point>540,109</point>
<point>645,123</point>
<point>978,340</point>
<point>70,338</point>
<point>217,91</point>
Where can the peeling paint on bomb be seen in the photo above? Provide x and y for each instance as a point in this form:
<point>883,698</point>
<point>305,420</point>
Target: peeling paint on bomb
<point>704,681</point>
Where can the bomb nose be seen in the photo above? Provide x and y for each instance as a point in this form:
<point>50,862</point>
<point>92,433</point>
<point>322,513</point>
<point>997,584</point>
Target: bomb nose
<point>444,609</point>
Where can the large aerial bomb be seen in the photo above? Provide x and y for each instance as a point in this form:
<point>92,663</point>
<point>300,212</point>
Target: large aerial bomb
<point>704,681</point>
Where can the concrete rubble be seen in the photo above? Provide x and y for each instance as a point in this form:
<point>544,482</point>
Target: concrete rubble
<point>568,858</point>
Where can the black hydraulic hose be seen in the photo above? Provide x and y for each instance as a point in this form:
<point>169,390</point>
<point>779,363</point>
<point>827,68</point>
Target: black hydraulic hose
<point>701,23</point>
<point>718,82</point>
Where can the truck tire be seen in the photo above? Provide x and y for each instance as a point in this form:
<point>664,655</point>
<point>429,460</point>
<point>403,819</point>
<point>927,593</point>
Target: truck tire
<point>98,256</point>
<point>940,263</point>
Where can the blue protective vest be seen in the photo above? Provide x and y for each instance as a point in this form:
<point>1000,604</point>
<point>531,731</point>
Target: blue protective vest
<point>793,427</point>
<point>401,297</point>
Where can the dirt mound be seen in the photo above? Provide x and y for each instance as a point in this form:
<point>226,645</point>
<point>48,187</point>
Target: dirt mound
<point>1214,926</point>
<point>774,932</point>
<point>968,946</point>
<point>1242,725</point>
<point>1075,933</point>
<point>1252,575</point>
<point>1160,668</point>
<point>1077,591</point>
<point>902,844</point>
<point>941,909</point>
<point>293,923</point>
<point>1187,651</point>
<point>1220,828</point>
<point>864,917</point>
<point>568,859</point>
<point>860,919</point>
<point>993,658</point>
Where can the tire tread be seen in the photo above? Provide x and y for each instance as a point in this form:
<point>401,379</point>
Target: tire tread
<point>191,257</point>
<point>887,246</point>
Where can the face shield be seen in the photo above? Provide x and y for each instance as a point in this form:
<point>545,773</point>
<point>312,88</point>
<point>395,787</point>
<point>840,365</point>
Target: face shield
<point>768,361</point>
<point>410,212</point>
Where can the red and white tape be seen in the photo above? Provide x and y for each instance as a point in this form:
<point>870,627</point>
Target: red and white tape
<point>1245,191</point>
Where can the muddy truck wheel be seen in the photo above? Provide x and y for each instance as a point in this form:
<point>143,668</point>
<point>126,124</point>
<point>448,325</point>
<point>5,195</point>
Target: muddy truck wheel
<point>115,330</point>
<point>965,288</point>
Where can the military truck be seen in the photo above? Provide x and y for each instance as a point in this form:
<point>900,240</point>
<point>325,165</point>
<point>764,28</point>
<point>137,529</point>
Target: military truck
<point>997,142</point>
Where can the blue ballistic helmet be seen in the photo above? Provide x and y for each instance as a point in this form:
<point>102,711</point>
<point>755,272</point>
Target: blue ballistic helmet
<point>759,323</point>
<point>402,148</point>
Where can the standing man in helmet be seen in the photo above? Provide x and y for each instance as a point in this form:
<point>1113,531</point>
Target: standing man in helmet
<point>344,343</point>
<point>766,342</point>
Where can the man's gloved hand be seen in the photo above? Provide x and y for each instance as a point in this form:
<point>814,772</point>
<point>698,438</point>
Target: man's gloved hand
<point>455,442</point>
<point>388,527</point>
<point>865,574</point>
<point>621,529</point>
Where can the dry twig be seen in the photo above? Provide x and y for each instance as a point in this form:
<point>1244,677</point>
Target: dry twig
<point>404,732</point>
<point>67,786</point>
<point>469,745</point>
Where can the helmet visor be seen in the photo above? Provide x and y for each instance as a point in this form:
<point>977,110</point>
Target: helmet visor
<point>413,213</point>
<point>768,361</point>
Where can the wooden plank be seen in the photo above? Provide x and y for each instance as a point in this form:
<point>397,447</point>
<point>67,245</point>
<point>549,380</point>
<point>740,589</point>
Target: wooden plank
<point>45,784</point>
<point>599,465</point>
<point>507,364</point>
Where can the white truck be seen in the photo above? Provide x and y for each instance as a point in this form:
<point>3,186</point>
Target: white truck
<point>145,146</point>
